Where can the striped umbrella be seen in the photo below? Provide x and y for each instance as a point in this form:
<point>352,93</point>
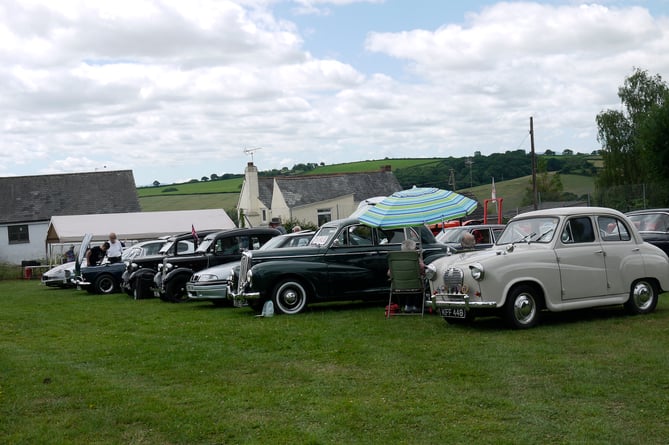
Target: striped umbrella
<point>417,206</point>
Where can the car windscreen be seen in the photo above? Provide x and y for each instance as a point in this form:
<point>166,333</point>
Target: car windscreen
<point>323,236</point>
<point>539,229</point>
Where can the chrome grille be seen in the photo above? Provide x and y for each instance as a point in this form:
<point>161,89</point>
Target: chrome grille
<point>453,278</point>
<point>243,268</point>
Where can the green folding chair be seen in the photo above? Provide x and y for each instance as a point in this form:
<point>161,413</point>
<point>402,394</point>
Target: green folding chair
<point>406,282</point>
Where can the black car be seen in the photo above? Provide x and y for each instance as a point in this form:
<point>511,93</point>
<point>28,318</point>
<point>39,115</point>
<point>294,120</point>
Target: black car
<point>139,272</point>
<point>216,248</point>
<point>345,260</point>
<point>653,225</point>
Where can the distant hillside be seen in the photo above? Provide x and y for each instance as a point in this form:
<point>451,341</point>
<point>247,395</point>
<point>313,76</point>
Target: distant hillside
<point>437,172</point>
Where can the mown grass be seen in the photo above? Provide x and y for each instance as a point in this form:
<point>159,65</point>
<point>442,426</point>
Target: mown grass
<point>80,369</point>
<point>370,166</point>
<point>189,202</point>
<point>193,188</point>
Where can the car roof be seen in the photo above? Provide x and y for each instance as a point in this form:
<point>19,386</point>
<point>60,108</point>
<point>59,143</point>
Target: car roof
<point>569,211</point>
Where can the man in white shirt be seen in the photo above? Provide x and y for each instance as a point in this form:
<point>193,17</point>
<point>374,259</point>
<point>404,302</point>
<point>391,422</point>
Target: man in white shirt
<point>115,249</point>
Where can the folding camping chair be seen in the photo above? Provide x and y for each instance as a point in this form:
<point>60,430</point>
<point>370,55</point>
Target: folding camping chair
<point>405,281</point>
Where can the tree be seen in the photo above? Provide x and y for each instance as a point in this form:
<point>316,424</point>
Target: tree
<point>156,183</point>
<point>549,186</point>
<point>214,177</point>
<point>618,131</point>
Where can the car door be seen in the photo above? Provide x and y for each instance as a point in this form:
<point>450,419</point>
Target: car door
<point>620,253</point>
<point>356,264</point>
<point>580,258</point>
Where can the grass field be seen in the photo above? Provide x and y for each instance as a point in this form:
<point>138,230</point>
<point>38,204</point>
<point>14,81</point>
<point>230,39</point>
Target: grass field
<point>81,369</point>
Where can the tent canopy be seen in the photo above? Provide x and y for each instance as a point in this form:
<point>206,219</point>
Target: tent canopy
<point>135,226</point>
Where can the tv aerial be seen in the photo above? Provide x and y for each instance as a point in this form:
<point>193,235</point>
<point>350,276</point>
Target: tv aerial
<point>250,151</point>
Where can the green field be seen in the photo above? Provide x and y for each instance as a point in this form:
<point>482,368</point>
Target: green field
<point>370,166</point>
<point>81,369</point>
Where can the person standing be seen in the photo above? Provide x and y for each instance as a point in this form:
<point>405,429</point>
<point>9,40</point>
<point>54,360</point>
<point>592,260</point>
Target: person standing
<point>95,254</point>
<point>115,249</point>
<point>275,223</point>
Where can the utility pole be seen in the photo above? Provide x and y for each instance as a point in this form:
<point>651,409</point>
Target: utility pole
<point>451,180</point>
<point>469,162</point>
<point>534,166</point>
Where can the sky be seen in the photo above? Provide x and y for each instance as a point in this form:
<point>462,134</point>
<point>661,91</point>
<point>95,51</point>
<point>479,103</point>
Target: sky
<point>181,89</point>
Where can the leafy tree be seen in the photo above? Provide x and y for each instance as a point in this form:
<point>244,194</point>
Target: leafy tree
<point>618,131</point>
<point>214,177</point>
<point>549,186</point>
<point>204,179</point>
<point>156,183</point>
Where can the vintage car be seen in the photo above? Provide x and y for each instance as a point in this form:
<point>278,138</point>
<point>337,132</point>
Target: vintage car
<point>555,260</point>
<point>106,277</point>
<point>653,225</point>
<point>137,278</point>
<point>63,274</point>
<point>345,260</point>
<point>485,235</point>
<point>212,284</point>
<point>216,248</point>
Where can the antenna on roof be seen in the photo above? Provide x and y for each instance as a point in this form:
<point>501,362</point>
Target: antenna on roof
<point>249,151</point>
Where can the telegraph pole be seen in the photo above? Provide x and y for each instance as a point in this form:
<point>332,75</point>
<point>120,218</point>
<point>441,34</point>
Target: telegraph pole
<point>534,166</point>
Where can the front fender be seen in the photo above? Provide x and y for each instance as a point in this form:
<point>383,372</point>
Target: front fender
<point>176,273</point>
<point>267,275</point>
<point>142,273</point>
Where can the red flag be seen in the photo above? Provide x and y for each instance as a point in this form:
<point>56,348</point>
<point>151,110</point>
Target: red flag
<point>193,232</point>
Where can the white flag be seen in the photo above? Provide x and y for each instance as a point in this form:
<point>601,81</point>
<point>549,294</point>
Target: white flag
<point>494,192</point>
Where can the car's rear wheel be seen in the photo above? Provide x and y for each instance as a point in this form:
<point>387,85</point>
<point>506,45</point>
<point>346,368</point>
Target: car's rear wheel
<point>176,289</point>
<point>643,297</point>
<point>104,284</point>
<point>522,308</point>
<point>290,297</point>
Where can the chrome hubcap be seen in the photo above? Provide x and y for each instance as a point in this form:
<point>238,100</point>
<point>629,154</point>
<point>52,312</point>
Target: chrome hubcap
<point>524,308</point>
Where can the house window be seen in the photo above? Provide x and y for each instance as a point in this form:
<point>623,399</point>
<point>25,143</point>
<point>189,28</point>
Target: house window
<point>264,215</point>
<point>18,234</point>
<point>324,215</point>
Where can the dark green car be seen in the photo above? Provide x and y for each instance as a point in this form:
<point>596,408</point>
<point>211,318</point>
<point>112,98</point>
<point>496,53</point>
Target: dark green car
<point>345,260</point>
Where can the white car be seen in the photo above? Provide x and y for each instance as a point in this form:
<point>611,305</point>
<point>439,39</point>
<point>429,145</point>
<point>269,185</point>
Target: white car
<point>556,260</point>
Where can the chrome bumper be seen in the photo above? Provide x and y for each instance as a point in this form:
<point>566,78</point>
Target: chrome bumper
<point>213,291</point>
<point>454,301</point>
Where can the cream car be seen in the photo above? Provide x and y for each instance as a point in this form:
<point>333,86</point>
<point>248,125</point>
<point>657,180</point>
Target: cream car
<point>556,260</point>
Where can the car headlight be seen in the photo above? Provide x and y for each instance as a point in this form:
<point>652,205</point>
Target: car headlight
<point>160,267</point>
<point>476,270</point>
<point>431,272</point>
<point>249,276</point>
<point>206,277</point>
<point>169,266</point>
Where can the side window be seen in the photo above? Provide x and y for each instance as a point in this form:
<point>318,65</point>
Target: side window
<point>612,229</point>
<point>391,236</point>
<point>182,246</point>
<point>578,230</point>
<point>18,234</point>
<point>359,235</point>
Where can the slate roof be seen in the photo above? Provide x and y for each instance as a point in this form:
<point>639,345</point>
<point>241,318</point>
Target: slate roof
<point>38,198</point>
<point>308,189</point>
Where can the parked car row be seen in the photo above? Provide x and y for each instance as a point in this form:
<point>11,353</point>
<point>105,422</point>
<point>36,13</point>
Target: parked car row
<point>547,260</point>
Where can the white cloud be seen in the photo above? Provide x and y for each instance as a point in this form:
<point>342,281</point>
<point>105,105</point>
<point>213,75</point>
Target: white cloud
<point>174,89</point>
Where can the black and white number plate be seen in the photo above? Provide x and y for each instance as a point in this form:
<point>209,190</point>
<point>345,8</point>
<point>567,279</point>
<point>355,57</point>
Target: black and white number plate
<point>453,312</point>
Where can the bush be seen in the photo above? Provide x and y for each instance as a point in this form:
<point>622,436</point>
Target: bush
<point>10,271</point>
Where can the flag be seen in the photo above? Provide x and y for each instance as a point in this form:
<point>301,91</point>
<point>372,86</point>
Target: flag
<point>193,232</point>
<point>494,192</point>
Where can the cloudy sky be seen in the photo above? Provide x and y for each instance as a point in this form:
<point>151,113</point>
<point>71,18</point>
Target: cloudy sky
<point>178,89</point>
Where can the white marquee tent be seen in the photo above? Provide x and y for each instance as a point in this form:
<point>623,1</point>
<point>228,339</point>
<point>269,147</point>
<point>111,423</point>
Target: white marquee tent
<point>134,226</point>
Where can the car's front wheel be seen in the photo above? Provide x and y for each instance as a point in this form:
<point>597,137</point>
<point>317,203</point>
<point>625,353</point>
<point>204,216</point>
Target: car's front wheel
<point>104,284</point>
<point>175,289</point>
<point>290,297</point>
<point>522,309</point>
<point>643,298</point>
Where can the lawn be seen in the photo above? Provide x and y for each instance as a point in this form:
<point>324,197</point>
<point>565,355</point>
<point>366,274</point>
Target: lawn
<point>81,369</point>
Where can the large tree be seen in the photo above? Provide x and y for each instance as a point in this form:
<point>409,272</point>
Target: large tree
<point>625,156</point>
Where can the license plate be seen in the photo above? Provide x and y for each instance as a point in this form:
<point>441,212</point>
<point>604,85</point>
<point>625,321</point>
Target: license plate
<point>453,312</point>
